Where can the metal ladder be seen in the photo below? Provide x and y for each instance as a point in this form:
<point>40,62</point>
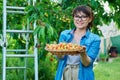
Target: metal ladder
<point>17,10</point>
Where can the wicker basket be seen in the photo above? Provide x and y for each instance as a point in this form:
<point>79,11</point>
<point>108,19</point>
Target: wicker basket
<point>65,52</point>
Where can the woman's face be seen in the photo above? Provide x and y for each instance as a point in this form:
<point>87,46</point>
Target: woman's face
<point>81,20</point>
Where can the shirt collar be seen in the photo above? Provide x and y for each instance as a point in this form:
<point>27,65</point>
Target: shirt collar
<point>86,35</point>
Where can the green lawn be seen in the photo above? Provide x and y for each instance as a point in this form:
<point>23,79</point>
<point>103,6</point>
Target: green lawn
<point>108,70</point>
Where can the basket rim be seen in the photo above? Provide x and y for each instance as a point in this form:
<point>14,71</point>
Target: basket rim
<point>61,50</point>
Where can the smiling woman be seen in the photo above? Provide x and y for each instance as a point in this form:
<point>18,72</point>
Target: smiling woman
<point>79,66</point>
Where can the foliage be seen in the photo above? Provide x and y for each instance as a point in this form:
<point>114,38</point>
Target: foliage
<point>103,55</point>
<point>115,10</point>
<point>48,68</point>
<point>1,16</point>
<point>0,65</point>
<point>50,20</point>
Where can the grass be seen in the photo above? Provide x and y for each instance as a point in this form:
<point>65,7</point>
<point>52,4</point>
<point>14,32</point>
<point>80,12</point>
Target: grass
<point>108,70</point>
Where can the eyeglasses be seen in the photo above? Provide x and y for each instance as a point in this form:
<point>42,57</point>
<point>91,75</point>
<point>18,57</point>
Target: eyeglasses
<point>76,17</point>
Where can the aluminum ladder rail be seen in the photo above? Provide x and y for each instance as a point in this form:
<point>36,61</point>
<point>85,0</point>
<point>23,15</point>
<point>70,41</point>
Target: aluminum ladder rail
<point>4,47</point>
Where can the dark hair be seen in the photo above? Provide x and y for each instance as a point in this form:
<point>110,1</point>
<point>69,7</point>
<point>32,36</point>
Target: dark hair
<point>85,9</point>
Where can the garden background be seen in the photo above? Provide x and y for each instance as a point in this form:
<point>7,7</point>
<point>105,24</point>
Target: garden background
<point>53,16</point>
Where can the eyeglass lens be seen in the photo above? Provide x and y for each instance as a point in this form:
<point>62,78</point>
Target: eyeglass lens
<point>80,17</point>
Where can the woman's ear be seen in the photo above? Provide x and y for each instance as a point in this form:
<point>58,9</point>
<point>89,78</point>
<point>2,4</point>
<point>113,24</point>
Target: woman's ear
<point>90,19</point>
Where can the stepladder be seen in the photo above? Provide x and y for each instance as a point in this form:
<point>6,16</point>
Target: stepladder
<point>19,51</point>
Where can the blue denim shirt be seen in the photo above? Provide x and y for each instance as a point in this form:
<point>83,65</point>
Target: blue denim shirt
<point>92,43</point>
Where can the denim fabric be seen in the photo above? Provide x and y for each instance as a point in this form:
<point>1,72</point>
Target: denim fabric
<point>92,43</point>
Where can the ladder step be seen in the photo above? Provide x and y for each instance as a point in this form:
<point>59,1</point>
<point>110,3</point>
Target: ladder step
<point>19,55</point>
<point>16,50</point>
<point>15,7</point>
<point>19,31</point>
<point>15,67</point>
<point>19,12</point>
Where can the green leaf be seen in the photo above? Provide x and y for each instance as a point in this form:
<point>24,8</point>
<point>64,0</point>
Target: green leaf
<point>41,34</point>
<point>50,31</point>
<point>36,30</point>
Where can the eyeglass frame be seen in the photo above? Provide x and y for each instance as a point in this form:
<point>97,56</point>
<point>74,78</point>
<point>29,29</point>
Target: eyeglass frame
<point>83,17</point>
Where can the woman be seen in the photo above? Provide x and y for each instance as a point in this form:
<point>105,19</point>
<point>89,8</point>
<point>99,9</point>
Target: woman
<point>79,67</point>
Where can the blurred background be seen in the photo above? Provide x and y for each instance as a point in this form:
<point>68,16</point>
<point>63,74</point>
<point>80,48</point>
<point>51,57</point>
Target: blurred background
<point>31,24</point>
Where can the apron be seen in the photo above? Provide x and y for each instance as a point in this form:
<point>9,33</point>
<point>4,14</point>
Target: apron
<point>70,72</point>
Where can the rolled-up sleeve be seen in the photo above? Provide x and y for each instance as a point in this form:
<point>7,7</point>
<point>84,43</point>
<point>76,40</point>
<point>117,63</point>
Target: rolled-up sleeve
<point>93,49</point>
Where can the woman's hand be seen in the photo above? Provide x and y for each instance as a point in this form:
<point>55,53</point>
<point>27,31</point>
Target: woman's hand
<point>84,57</point>
<point>82,51</point>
